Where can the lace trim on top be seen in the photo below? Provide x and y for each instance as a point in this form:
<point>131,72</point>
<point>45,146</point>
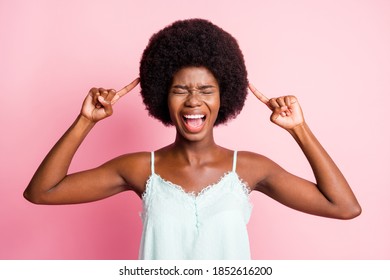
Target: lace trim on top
<point>193,194</point>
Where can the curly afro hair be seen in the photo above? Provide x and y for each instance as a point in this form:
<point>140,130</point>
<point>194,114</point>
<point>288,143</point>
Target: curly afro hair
<point>193,42</point>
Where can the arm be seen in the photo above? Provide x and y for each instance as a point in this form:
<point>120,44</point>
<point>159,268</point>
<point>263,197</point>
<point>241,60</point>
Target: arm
<point>331,196</point>
<point>51,183</point>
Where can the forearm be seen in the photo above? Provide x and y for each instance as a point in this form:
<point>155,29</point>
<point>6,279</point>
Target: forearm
<point>55,166</point>
<point>330,181</point>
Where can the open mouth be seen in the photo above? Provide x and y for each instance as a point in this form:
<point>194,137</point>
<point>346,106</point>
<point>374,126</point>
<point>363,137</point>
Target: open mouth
<point>194,123</point>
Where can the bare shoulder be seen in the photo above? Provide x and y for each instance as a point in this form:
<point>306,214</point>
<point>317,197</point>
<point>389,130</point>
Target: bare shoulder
<point>248,159</point>
<point>135,169</point>
<point>253,167</point>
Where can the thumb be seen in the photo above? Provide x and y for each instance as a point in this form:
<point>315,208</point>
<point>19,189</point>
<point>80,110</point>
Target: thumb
<point>275,114</point>
<point>106,105</point>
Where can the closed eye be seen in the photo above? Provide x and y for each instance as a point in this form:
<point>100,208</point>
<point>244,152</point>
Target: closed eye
<point>179,92</point>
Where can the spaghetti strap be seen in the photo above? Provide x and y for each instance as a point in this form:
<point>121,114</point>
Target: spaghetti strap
<point>152,161</point>
<point>234,161</point>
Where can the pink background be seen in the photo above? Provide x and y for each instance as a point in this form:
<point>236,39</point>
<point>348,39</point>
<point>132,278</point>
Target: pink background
<point>334,55</point>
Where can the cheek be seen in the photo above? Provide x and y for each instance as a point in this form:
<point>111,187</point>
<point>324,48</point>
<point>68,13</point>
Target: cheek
<point>216,104</point>
<point>217,107</point>
<point>172,108</point>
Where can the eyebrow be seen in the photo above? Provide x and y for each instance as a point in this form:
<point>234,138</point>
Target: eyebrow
<point>187,87</point>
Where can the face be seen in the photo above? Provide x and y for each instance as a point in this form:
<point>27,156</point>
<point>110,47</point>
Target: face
<point>193,102</point>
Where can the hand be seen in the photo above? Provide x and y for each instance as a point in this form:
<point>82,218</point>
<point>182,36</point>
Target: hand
<point>286,111</point>
<point>98,103</point>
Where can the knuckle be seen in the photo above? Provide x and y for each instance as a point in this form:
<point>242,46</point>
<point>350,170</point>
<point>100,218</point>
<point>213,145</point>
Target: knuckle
<point>111,92</point>
<point>102,90</point>
<point>293,98</point>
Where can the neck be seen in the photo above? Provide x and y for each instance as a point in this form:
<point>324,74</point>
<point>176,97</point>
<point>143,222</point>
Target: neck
<point>194,151</point>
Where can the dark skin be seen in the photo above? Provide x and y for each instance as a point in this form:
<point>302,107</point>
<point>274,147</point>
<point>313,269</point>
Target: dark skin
<point>194,161</point>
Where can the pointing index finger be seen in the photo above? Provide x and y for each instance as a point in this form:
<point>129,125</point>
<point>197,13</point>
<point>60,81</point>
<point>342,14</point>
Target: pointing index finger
<point>259,95</point>
<point>125,90</point>
<point>128,88</point>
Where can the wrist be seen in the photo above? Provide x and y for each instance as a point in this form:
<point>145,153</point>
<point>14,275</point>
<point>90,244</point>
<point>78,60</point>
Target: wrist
<point>300,132</point>
<point>84,123</point>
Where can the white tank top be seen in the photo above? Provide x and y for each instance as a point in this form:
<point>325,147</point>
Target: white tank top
<point>208,225</point>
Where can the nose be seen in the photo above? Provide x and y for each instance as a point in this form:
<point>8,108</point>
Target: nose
<point>193,99</point>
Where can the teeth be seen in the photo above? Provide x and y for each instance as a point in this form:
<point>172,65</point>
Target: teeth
<point>194,116</point>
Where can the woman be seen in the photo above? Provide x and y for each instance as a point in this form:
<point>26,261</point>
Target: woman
<point>194,192</point>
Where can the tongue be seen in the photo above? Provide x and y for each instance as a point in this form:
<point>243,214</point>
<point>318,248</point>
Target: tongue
<point>194,122</point>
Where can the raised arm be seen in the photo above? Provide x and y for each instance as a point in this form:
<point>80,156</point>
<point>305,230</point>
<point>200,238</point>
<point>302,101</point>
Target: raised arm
<point>51,183</point>
<point>331,195</point>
